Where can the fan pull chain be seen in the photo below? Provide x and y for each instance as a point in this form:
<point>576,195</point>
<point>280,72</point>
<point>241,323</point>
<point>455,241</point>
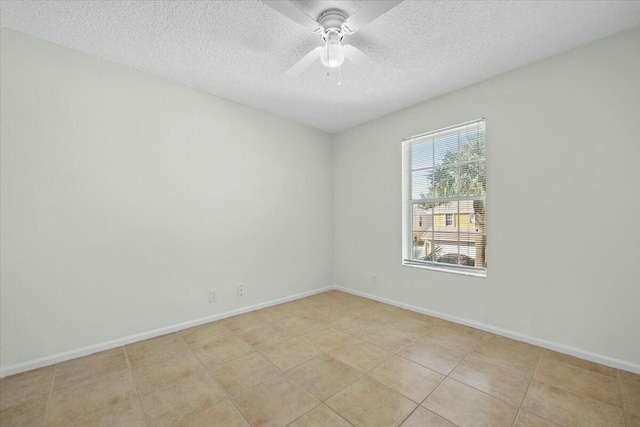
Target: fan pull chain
<point>339,76</point>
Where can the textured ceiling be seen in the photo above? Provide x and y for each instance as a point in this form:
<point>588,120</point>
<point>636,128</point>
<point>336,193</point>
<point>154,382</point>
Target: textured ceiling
<point>239,50</point>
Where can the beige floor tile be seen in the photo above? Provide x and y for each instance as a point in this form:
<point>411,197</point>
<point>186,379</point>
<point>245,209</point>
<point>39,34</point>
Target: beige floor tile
<point>408,378</point>
<point>289,353</point>
<point>205,334</point>
<point>324,376</point>
<point>347,309</point>
<point>26,386</point>
<point>163,348</point>
<point>433,356</point>
<point>492,379</point>
<point>222,351</point>
<point>580,363</point>
<point>297,324</point>
<point>317,300</point>
<point>423,418</point>
<point>182,402</point>
<point>410,326</point>
<point>324,314</point>
<point>361,305</point>
<point>457,337</point>
<point>325,338</point>
<point>124,414</point>
<point>243,322</point>
<point>92,366</point>
<point>629,377</point>
<point>327,315</point>
<point>82,400</point>
<point>518,357</point>
<point>565,408</point>
<point>244,372</point>
<point>275,402</point>
<point>377,315</point>
<point>424,317</point>
<point>224,414</point>
<point>356,312</point>
<point>27,413</point>
<point>262,335</point>
<point>527,419</point>
<point>462,329</point>
<point>350,324</point>
<point>631,396</point>
<point>277,313</point>
<point>302,306</point>
<point>396,311</point>
<point>161,375</point>
<point>632,420</point>
<point>580,381</point>
<point>320,416</point>
<point>387,339</point>
<point>466,406</point>
<point>340,298</point>
<point>370,403</point>
<point>359,354</point>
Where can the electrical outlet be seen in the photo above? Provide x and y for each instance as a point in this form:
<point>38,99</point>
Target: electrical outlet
<point>241,290</point>
<point>374,280</point>
<point>213,297</point>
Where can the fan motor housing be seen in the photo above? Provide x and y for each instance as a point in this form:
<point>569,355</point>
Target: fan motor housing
<point>332,20</point>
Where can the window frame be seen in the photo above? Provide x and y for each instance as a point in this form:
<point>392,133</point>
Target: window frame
<point>408,205</point>
<point>446,220</point>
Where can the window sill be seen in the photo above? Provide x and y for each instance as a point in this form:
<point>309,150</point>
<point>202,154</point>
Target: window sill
<point>462,271</point>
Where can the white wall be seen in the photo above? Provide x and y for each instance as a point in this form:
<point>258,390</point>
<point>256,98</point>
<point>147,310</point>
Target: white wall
<point>124,198</point>
<point>563,147</point>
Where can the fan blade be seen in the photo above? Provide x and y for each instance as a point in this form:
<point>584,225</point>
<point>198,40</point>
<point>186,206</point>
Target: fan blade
<point>361,59</point>
<point>290,11</point>
<point>306,60</point>
<point>367,13</point>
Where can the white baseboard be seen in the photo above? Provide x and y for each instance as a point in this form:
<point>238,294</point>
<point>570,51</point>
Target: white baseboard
<point>85,351</point>
<point>582,354</point>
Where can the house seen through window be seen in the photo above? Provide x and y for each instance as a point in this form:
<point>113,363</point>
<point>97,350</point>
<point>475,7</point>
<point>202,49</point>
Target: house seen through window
<point>444,199</point>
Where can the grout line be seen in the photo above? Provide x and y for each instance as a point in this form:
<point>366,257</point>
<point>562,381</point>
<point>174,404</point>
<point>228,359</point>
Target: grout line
<point>324,353</point>
<point>476,345</point>
<point>524,396</point>
<point>321,353</point>
<point>445,376</point>
<point>360,375</point>
<point>49,395</point>
<point>302,415</point>
<point>471,350</point>
<point>227,395</point>
<point>408,416</point>
<point>624,415</point>
<point>293,334</point>
<point>135,383</point>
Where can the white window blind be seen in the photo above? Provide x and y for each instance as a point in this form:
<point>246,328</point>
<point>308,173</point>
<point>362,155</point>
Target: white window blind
<point>444,199</point>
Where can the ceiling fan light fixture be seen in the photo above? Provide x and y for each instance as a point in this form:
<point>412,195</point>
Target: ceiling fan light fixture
<point>333,25</point>
<point>332,55</point>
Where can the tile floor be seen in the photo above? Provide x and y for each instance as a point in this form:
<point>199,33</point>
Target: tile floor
<point>332,359</point>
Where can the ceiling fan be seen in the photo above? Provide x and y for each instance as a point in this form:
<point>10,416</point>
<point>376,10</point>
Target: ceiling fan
<point>333,25</point>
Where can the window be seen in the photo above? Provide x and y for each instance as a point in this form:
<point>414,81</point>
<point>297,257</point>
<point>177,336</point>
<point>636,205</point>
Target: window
<point>445,182</point>
<point>448,219</point>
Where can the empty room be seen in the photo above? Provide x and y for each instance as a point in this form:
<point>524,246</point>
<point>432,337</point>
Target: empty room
<point>319,213</point>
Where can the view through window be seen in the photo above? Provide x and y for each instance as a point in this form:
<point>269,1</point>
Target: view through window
<point>445,188</point>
